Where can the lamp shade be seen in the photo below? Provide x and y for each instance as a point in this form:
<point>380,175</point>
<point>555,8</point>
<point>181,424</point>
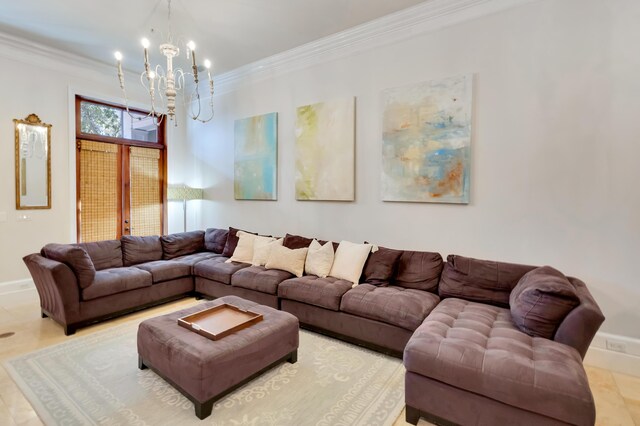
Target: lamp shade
<point>184,193</point>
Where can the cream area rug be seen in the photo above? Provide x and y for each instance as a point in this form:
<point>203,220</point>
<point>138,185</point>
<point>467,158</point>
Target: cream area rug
<point>95,380</point>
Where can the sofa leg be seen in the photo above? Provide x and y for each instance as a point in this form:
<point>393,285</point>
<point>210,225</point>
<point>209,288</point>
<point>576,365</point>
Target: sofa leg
<point>203,409</point>
<point>141,365</point>
<point>413,415</point>
<point>43,315</point>
<point>293,357</point>
<point>69,330</point>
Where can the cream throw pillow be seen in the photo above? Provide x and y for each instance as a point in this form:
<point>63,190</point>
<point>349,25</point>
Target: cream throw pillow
<point>288,260</point>
<point>244,250</point>
<point>319,259</point>
<point>349,261</point>
<point>262,249</point>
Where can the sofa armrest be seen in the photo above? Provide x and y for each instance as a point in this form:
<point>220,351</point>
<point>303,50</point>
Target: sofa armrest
<point>581,324</point>
<point>57,287</point>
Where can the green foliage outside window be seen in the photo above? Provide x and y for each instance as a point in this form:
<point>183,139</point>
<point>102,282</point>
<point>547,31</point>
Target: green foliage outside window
<point>100,120</point>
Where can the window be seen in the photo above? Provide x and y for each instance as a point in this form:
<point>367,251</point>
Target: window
<point>120,169</point>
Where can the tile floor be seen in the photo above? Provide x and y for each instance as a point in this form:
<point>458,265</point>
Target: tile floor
<point>617,395</point>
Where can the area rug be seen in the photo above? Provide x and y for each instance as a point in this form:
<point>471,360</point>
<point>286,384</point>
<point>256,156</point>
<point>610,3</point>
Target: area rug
<point>95,380</point>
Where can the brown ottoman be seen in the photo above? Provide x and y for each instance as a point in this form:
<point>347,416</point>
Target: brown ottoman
<point>205,370</point>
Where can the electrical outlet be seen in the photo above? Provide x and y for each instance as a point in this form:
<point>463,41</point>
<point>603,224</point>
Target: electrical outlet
<point>23,217</point>
<point>617,346</point>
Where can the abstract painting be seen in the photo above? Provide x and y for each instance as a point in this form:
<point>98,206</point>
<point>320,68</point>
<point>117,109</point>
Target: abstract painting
<point>426,139</point>
<point>325,151</point>
<point>256,158</point>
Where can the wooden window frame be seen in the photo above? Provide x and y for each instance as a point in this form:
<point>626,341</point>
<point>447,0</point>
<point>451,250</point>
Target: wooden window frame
<point>123,161</point>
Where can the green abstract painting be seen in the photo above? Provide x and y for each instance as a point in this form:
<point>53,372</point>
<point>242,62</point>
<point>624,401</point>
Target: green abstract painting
<point>426,139</point>
<point>325,151</point>
<point>256,158</point>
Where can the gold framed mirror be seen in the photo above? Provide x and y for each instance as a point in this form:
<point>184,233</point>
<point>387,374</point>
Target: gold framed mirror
<point>33,163</point>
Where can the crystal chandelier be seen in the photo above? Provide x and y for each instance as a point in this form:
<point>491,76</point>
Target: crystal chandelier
<point>164,84</point>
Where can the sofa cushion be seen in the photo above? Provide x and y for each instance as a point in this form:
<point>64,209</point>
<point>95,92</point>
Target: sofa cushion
<point>117,280</point>
<point>165,270</point>
<point>104,254</point>
<point>260,279</point>
<point>182,243</point>
<point>478,280</point>
<point>217,270</point>
<point>405,308</point>
<point>232,241</point>
<point>476,347</point>
<point>215,239</point>
<point>140,249</point>
<point>541,300</point>
<point>192,259</point>
<point>419,270</point>
<point>323,292</point>
<point>75,258</point>
<point>381,266</point>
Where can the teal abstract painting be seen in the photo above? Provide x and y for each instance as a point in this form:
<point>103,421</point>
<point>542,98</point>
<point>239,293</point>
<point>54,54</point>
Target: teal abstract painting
<point>426,141</point>
<point>256,157</point>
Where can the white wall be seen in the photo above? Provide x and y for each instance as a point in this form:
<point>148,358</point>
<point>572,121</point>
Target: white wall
<point>555,146</point>
<point>34,81</point>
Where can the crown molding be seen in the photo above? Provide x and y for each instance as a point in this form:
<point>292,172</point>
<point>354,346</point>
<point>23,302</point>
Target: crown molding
<point>425,17</point>
<point>37,54</point>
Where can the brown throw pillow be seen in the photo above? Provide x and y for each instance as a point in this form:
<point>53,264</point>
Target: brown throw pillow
<point>215,239</point>
<point>75,258</point>
<point>419,270</point>
<point>232,241</point>
<point>295,242</point>
<point>541,300</point>
<point>380,267</point>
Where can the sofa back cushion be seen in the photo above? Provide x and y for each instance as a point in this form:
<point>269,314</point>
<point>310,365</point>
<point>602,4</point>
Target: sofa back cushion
<point>215,239</point>
<point>181,244</point>
<point>541,300</point>
<point>484,281</point>
<point>104,254</point>
<point>419,270</point>
<point>74,257</point>
<point>232,241</point>
<point>381,267</point>
<point>136,250</point>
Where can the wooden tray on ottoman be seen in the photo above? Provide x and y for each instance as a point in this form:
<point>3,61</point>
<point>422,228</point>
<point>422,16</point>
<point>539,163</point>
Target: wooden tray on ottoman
<point>219,321</point>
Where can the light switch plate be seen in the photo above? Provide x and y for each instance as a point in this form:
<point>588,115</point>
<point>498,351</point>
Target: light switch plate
<point>21,217</point>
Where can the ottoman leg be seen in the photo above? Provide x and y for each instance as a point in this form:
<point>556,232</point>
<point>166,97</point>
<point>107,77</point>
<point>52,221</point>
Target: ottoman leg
<point>413,415</point>
<point>141,365</point>
<point>293,357</point>
<point>203,409</point>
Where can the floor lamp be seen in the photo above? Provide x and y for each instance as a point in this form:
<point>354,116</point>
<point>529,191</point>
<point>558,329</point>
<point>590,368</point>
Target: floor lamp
<point>184,193</point>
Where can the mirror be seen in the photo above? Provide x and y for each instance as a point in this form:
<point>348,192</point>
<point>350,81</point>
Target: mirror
<point>33,163</point>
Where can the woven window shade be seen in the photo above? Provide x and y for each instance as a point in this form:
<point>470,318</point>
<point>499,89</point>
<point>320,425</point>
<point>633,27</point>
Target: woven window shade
<point>146,199</point>
<point>98,191</point>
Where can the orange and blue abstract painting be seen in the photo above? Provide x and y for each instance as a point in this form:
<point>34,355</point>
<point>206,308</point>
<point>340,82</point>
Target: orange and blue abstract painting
<point>256,157</point>
<point>426,141</point>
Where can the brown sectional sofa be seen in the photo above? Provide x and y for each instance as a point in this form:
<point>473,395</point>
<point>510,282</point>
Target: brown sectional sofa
<point>467,361</point>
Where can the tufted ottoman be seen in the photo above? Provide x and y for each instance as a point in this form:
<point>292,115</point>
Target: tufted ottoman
<point>205,370</point>
<point>469,364</point>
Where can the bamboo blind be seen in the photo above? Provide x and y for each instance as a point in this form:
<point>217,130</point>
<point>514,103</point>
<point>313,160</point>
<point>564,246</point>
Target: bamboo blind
<point>98,191</point>
<point>146,200</point>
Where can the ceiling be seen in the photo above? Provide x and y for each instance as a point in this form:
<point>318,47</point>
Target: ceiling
<point>231,33</point>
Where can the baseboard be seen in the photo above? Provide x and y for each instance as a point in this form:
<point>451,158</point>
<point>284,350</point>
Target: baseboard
<point>625,358</point>
<point>15,286</point>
